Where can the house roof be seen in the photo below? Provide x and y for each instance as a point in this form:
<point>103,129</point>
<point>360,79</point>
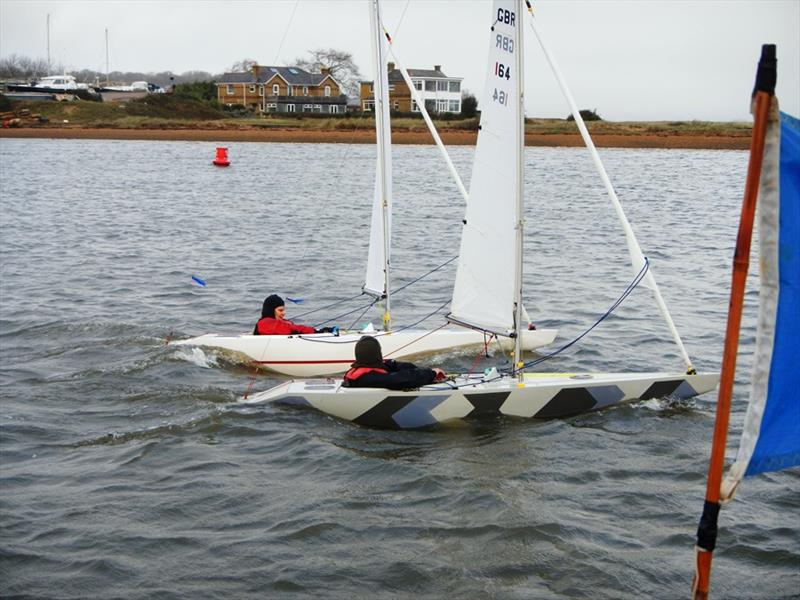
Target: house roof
<point>291,75</point>
<point>396,75</point>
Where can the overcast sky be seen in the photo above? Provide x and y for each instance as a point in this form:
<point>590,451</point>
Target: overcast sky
<point>630,60</point>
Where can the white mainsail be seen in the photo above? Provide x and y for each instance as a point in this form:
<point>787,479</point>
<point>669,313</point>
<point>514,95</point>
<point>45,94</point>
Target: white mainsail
<point>377,277</point>
<point>484,291</point>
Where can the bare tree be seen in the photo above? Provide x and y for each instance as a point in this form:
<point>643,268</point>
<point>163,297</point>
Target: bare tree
<point>244,65</point>
<point>339,63</point>
<point>16,66</point>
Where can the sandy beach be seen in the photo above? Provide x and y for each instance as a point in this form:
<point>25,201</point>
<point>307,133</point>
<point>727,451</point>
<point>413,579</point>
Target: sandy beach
<point>315,136</point>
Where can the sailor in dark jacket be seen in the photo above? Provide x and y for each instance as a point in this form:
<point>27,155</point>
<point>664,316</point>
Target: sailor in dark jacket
<point>370,370</point>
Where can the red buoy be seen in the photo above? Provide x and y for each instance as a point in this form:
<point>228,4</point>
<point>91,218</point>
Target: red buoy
<point>221,160</point>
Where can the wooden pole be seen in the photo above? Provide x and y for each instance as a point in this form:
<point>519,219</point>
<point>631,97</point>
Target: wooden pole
<point>707,531</point>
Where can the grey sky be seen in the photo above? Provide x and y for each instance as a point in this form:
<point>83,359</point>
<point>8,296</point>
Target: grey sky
<point>643,60</point>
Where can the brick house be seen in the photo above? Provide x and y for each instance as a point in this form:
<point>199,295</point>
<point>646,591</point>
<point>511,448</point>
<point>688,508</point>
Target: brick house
<point>282,90</point>
<point>439,92</point>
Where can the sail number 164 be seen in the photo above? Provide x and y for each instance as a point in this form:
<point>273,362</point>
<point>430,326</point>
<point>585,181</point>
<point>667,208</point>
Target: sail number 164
<point>502,70</point>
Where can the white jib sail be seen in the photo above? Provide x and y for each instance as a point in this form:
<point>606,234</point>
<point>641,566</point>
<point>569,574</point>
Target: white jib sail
<point>483,295</point>
<point>377,278</point>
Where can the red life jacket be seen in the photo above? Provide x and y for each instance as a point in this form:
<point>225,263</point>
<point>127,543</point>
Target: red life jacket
<point>270,326</point>
<point>357,372</point>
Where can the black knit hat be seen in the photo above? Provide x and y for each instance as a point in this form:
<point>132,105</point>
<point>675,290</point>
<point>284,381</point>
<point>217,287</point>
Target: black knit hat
<point>368,353</point>
<point>270,304</point>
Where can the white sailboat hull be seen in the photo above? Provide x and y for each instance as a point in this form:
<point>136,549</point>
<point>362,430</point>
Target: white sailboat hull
<point>326,354</point>
<point>540,395</point>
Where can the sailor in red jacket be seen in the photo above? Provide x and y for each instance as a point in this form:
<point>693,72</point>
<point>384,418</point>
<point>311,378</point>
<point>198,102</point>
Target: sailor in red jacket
<point>273,320</point>
<point>370,370</point>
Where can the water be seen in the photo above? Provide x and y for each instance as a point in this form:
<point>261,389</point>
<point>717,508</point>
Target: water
<point>129,470</point>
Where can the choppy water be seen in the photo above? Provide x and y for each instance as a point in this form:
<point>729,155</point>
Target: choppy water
<point>129,471</point>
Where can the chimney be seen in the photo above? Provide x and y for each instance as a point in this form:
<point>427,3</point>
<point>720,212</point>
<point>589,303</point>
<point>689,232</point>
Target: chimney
<point>389,67</point>
<point>437,67</point>
<point>255,71</point>
<point>324,70</point>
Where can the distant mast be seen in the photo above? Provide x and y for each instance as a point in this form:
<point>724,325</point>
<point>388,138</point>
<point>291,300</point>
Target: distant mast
<point>49,70</point>
<point>106,55</point>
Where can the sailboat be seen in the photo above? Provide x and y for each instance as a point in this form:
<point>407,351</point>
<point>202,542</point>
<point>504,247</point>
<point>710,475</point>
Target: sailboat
<point>311,355</point>
<point>487,295</point>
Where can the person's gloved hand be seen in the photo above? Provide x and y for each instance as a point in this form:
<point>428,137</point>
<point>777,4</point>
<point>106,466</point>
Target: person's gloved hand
<point>333,330</point>
<point>440,375</point>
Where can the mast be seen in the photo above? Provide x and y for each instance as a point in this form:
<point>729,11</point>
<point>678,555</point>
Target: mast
<point>381,217</point>
<point>48,44</point>
<point>519,65</point>
<point>763,94</point>
<point>106,55</point>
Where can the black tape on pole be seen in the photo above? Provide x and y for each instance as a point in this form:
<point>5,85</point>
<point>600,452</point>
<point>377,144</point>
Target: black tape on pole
<point>767,74</point>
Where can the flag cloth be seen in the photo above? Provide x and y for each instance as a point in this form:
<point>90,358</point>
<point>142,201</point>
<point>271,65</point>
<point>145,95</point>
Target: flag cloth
<point>771,433</point>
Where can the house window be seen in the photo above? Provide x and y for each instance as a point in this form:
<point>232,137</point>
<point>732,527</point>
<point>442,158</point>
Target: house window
<point>307,108</point>
<point>252,89</point>
<point>305,90</point>
<point>395,105</point>
<point>454,106</point>
<point>430,105</point>
<point>291,90</point>
<point>272,107</point>
<point>229,91</point>
<point>261,90</point>
<point>333,108</point>
<point>276,89</point>
<point>327,91</point>
<point>441,106</point>
<point>455,86</point>
<point>418,85</point>
<point>318,108</point>
<point>290,108</point>
<point>414,106</point>
<point>441,86</point>
<point>369,105</point>
<point>391,87</point>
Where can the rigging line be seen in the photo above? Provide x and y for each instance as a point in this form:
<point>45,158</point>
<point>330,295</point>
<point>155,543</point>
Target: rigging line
<point>628,291</point>
<point>337,303</point>
<point>425,318</point>
<point>350,312</point>
<point>400,22</point>
<point>485,351</point>
<point>359,317</point>
<point>444,264</point>
<point>286,32</point>
<point>414,341</point>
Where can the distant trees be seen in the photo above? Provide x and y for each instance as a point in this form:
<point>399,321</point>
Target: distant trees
<point>587,115</point>
<point>339,63</point>
<point>205,91</point>
<point>469,105</point>
<point>15,66</point>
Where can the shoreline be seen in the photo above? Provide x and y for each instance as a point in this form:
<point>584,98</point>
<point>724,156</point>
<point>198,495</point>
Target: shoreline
<point>316,136</point>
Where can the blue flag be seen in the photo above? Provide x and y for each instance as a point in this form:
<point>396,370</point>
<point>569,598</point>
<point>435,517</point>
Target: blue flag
<point>771,435</point>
